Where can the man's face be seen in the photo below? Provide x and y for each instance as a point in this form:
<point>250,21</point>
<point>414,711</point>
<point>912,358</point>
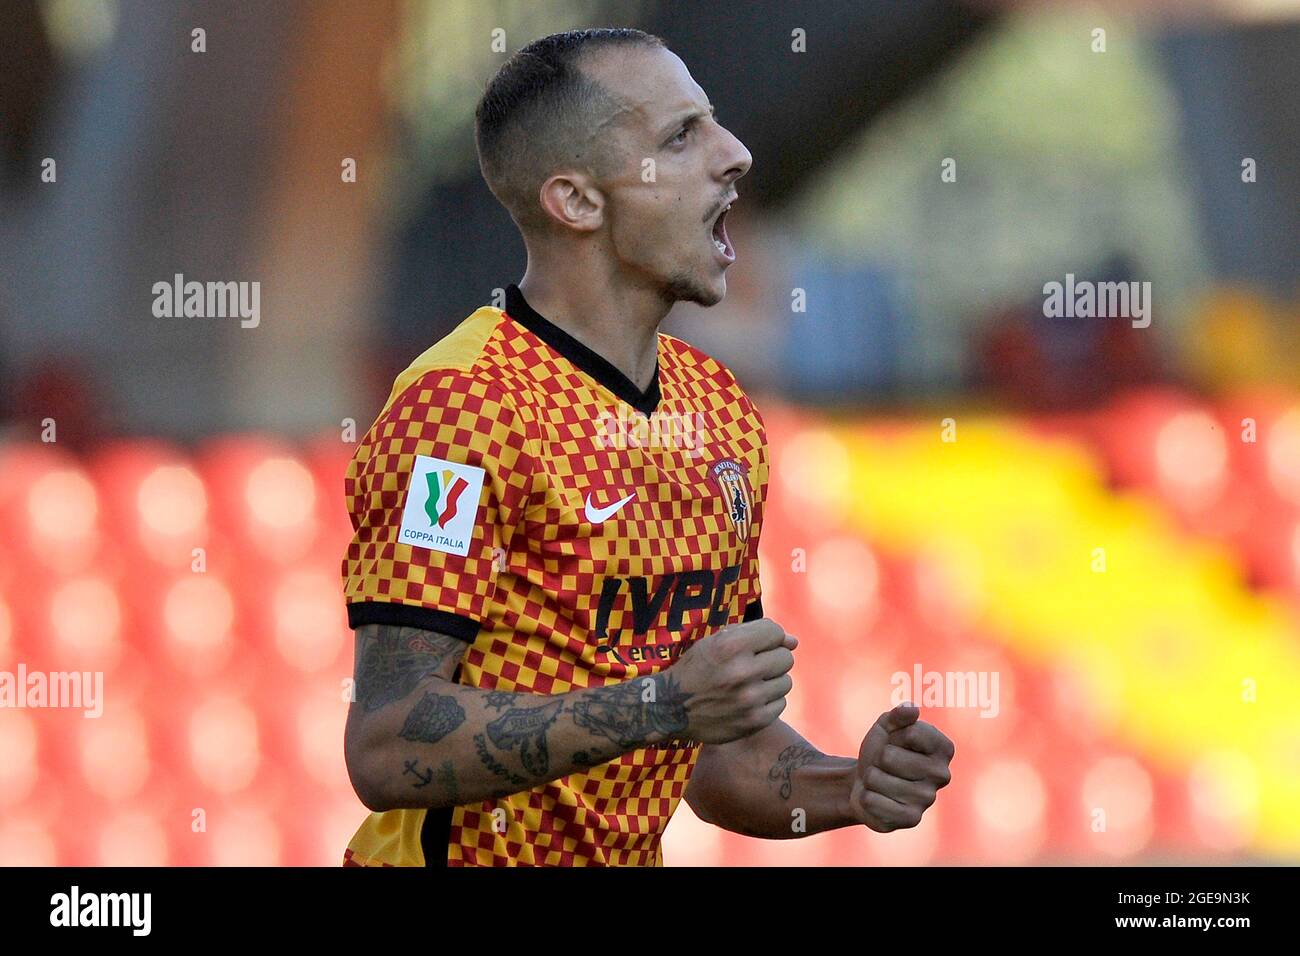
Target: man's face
<point>666,230</point>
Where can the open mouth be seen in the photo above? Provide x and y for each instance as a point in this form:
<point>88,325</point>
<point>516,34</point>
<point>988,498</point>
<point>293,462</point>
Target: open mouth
<point>719,234</point>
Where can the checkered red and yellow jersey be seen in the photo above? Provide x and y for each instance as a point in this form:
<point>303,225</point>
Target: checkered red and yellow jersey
<point>548,597</point>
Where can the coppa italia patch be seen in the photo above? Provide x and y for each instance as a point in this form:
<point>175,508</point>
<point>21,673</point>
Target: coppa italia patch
<point>441,505</point>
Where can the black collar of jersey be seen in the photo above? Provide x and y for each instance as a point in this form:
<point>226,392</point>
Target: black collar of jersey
<point>594,364</point>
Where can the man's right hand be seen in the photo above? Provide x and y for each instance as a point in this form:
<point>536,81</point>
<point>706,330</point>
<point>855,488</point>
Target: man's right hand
<point>737,679</point>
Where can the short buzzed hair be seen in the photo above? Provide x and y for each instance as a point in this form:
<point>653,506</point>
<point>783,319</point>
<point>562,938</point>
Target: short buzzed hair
<point>539,112</point>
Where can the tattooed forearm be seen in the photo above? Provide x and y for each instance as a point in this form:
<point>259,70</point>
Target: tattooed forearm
<point>434,717</point>
<point>635,712</point>
<point>480,746</point>
<point>452,744</point>
<point>444,776</point>
<point>396,659</point>
<point>789,760</point>
<point>526,727</point>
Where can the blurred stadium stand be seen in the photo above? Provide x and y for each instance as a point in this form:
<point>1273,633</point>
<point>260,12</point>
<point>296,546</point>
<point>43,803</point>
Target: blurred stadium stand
<point>1120,690</point>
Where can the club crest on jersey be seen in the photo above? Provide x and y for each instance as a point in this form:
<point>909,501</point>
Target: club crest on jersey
<point>731,479</point>
<point>441,505</point>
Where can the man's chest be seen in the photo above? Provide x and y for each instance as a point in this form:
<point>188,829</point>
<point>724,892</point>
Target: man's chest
<point>641,529</point>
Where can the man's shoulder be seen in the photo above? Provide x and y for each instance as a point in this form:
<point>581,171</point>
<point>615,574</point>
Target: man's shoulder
<point>463,359</point>
<point>460,386</point>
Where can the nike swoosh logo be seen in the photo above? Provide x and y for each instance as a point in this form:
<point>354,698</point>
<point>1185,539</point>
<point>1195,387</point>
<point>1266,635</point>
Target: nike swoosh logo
<point>597,515</point>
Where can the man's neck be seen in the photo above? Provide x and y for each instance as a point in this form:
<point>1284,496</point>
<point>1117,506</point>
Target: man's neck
<point>620,325</point>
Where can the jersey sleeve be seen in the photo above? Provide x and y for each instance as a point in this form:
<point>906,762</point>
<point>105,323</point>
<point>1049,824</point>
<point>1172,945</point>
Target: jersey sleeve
<point>436,492</point>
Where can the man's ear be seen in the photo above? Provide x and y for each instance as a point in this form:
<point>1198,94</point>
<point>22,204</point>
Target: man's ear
<point>572,200</point>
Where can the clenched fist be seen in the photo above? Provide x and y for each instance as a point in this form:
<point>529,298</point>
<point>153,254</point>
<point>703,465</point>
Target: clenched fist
<point>902,764</point>
<point>737,680</point>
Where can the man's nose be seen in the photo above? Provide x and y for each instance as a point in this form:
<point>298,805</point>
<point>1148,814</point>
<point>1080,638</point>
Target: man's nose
<point>738,160</point>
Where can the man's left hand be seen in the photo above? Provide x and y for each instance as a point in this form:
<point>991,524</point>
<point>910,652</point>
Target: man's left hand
<point>902,764</point>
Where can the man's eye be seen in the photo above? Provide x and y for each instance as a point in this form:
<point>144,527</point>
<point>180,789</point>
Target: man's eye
<point>681,136</point>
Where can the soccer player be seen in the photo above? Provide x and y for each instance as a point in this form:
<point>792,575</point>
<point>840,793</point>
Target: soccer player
<point>559,627</point>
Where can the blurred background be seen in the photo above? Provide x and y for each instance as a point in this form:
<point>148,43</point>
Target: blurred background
<point>1114,532</point>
